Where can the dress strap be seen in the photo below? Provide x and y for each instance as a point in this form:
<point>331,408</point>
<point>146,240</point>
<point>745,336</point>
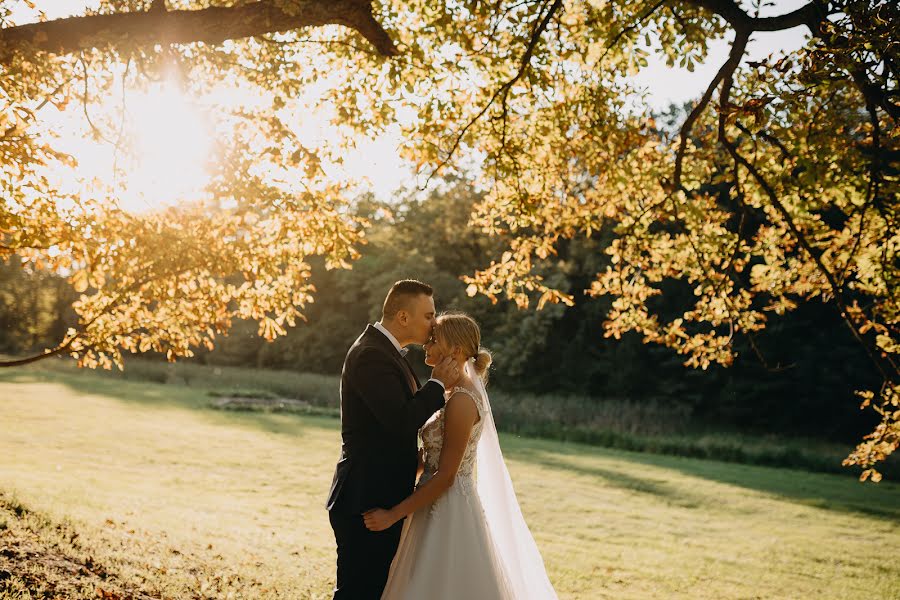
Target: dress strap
<point>471,394</point>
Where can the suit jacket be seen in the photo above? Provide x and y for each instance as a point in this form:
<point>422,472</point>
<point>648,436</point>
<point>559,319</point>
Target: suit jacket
<point>382,409</point>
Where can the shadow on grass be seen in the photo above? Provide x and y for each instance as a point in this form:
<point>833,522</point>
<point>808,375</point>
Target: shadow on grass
<point>819,490</point>
<point>653,487</point>
<point>831,492</point>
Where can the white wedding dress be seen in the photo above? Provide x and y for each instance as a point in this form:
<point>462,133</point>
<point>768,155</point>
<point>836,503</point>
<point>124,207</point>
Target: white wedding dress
<point>473,542</point>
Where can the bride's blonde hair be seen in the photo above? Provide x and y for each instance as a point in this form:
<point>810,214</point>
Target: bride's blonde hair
<point>461,330</point>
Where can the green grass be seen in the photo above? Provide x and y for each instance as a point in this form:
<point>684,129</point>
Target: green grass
<point>183,501</point>
<point>654,427</point>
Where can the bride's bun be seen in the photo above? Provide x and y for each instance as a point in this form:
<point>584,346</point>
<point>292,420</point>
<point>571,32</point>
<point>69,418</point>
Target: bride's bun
<point>461,331</point>
<point>482,361</point>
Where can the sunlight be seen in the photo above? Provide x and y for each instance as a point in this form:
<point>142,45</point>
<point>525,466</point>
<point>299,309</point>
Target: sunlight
<point>172,144</point>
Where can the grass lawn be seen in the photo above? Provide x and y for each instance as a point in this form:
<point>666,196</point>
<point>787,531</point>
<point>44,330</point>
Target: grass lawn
<point>179,500</point>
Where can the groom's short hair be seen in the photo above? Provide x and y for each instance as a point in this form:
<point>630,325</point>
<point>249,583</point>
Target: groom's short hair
<point>400,294</point>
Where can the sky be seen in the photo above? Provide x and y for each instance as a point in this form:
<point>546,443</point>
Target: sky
<point>376,160</point>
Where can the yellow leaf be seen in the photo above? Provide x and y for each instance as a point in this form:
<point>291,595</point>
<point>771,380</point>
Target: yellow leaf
<point>80,281</point>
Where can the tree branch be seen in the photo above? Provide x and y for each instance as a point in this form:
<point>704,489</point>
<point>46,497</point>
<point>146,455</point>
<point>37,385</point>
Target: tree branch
<point>21,362</point>
<point>66,343</point>
<point>85,101</point>
<point>873,94</point>
<point>211,25</point>
<point>889,371</point>
<point>640,21</point>
<point>726,70</point>
<point>809,14</point>
<point>874,182</point>
<point>785,153</point>
<point>503,91</point>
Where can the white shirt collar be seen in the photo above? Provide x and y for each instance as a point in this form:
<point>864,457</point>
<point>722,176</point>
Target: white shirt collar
<point>389,336</point>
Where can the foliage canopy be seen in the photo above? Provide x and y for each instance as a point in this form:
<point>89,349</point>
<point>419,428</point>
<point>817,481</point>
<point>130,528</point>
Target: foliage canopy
<point>778,186</point>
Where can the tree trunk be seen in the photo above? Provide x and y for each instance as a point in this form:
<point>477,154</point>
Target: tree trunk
<point>208,25</point>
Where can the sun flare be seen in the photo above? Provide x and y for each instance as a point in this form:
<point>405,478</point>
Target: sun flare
<point>171,147</point>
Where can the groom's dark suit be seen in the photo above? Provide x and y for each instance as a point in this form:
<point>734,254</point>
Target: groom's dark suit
<point>382,409</point>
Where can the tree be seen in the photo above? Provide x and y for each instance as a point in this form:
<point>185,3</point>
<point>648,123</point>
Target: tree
<point>778,187</point>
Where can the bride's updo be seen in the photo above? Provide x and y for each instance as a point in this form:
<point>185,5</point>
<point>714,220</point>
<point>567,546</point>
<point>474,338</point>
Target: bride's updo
<point>461,330</point>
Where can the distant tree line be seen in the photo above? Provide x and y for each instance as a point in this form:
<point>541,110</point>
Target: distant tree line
<point>797,377</point>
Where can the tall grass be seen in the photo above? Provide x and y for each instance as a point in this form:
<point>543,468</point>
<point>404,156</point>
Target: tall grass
<point>658,428</point>
<point>647,426</point>
<point>317,390</point>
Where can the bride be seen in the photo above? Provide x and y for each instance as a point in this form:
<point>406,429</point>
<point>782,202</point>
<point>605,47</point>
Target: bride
<point>465,536</point>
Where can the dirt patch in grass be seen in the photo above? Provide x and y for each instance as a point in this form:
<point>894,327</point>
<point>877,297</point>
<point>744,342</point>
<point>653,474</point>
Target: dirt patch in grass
<point>43,560</point>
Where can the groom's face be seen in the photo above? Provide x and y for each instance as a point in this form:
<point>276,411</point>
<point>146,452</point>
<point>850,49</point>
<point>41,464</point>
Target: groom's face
<point>421,318</point>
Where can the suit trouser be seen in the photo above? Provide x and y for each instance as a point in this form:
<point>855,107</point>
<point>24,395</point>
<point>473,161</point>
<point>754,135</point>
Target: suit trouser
<point>363,557</point>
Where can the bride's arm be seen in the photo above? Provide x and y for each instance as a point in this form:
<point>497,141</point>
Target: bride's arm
<point>459,418</point>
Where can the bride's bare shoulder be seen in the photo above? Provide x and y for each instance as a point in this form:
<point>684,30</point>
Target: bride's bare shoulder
<point>464,395</point>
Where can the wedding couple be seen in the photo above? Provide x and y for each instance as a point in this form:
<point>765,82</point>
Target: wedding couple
<point>458,532</point>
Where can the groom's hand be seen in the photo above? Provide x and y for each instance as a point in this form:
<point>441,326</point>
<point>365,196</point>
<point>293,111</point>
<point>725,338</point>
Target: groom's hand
<point>447,372</point>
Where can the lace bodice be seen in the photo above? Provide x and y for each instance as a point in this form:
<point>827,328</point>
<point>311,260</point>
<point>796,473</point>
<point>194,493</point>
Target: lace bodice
<point>432,434</point>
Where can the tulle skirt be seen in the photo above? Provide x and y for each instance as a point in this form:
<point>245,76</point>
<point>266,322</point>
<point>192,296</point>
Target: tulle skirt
<point>446,552</point>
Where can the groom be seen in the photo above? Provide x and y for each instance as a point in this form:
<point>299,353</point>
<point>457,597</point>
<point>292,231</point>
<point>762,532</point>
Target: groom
<point>382,409</point>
